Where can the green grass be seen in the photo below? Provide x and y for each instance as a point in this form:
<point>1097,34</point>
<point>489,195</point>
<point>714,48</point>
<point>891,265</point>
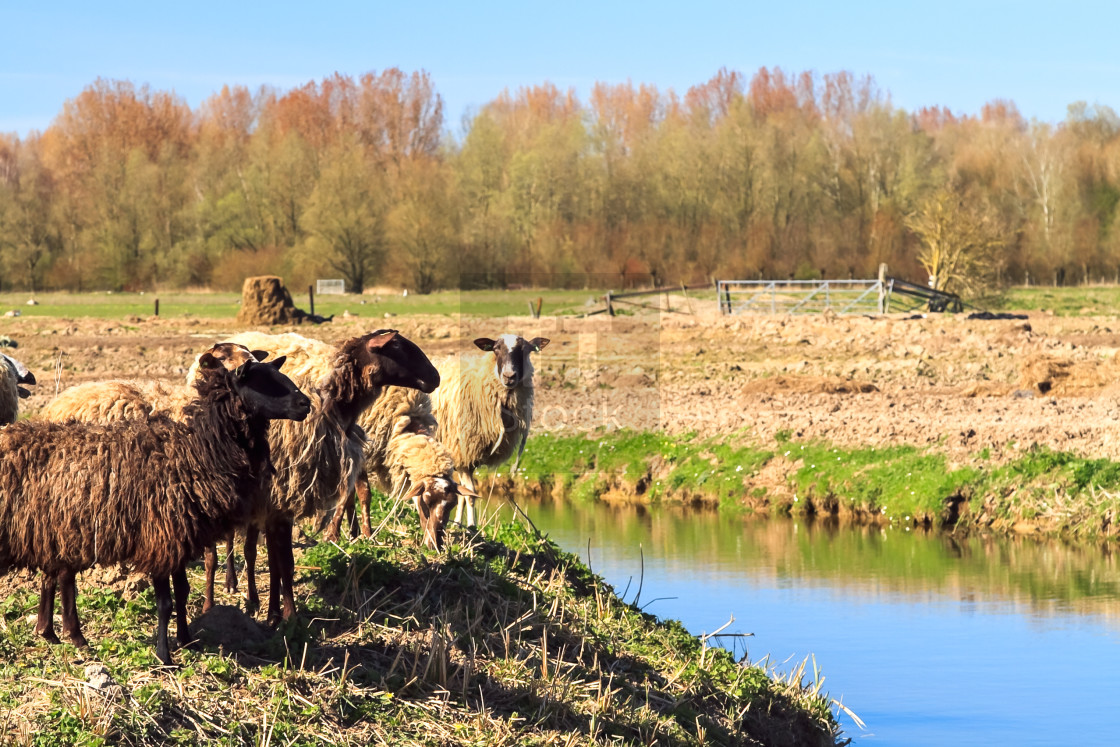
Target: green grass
<point>1061,493</point>
<point>902,482</point>
<point>1065,301</point>
<point>210,305</point>
<point>653,465</point>
<point>503,639</point>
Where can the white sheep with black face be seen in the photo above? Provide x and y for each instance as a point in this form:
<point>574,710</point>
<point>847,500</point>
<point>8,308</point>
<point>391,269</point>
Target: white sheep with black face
<point>484,407</point>
<point>12,375</point>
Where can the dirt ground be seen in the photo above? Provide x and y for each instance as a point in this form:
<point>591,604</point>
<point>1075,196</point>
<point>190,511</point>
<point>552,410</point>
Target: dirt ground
<point>963,385</point>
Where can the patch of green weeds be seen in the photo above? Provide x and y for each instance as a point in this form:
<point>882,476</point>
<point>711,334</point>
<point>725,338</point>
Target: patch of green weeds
<point>901,481</point>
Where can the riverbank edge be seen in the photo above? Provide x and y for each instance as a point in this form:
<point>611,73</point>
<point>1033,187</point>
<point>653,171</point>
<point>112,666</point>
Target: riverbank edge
<point>501,639</point>
<point>1036,491</point>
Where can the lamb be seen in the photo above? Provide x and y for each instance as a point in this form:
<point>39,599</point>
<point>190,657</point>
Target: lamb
<point>149,493</point>
<point>403,455</point>
<point>318,462</point>
<point>12,374</point>
<point>484,408</point>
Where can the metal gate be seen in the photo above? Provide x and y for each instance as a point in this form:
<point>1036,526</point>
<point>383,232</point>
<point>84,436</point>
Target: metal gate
<point>838,296</point>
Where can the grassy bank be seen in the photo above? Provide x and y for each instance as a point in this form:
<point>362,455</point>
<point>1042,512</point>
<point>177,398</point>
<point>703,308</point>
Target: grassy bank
<point>504,639</point>
<point>1039,491</point>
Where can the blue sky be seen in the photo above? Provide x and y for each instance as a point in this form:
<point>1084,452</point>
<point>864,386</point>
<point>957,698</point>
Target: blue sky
<point>1042,56</point>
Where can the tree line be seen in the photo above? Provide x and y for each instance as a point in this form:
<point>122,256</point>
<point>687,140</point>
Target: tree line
<point>776,176</point>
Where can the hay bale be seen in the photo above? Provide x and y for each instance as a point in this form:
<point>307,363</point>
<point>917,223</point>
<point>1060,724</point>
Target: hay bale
<point>265,300</point>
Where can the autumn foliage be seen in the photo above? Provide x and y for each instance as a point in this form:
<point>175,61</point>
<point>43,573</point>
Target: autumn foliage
<point>775,175</point>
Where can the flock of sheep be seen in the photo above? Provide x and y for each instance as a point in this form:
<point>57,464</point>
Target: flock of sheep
<point>268,431</point>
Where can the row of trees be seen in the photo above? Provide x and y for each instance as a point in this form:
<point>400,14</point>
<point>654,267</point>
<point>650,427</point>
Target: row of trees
<point>775,176</point>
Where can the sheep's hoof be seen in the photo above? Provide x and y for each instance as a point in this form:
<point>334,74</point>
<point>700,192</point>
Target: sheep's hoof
<point>78,640</point>
<point>49,636</point>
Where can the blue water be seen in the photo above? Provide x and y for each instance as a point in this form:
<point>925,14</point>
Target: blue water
<point>930,641</point>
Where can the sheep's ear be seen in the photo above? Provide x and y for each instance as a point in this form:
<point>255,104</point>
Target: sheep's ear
<point>484,343</point>
<point>260,355</point>
<point>539,343</point>
<point>382,338</point>
<point>207,360</point>
<point>277,362</point>
<point>23,393</point>
<point>243,370</point>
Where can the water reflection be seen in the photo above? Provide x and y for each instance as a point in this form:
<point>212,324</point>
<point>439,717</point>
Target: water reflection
<point>931,639</point>
<point>1044,576</point>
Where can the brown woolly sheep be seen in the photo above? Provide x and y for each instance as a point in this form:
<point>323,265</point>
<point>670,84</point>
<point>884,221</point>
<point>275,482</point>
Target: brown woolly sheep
<point>106,402</point>
<point>484,407</point>
<point>149,493</point>
<point>317,462</point>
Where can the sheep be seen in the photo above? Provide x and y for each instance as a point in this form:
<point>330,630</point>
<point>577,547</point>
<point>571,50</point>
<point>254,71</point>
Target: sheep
<point>106,402</point>
<point>317,462</point>
<point>403,455</point>
<point>484,408</point>
<point>12,374</point>
<point>118,399</point>
<point>151,493</point>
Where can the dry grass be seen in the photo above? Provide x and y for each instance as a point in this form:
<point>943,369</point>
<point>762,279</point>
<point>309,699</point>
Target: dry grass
<point>502,640</point>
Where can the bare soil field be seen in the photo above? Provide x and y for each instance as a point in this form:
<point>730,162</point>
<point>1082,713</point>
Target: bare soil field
<point>961,385</point>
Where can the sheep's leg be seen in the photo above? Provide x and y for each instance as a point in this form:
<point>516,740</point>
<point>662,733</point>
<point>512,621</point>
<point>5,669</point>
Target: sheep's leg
<point>182,591</point>
<point>468,480</point>
<point>470,512</point>
<point>231,571</point>
<point>71,625</point>
<point>163,613</point>
<point>281,567</point>
<point>211,563</point>
<point>287,568</point>
<point>345,508</point>
<point>252,599</point>
<point>364,500</point>
<point>44,622</point>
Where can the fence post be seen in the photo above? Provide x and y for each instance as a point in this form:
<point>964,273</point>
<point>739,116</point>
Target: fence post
<point>311,297</point>
<point>610,306</point>
<point>882,287</point>
<point>157,307</point>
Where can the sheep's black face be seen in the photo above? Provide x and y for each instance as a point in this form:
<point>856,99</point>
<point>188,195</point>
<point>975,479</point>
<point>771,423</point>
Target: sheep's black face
<point>267,393</point>
<point>398,361</point>
<point>511,356</point>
